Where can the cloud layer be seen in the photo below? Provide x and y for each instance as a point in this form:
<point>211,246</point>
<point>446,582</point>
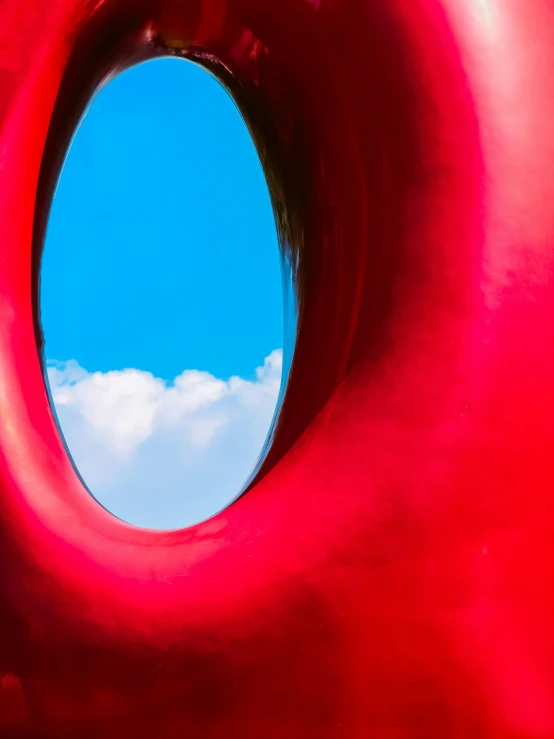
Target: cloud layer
<point>164,455</point>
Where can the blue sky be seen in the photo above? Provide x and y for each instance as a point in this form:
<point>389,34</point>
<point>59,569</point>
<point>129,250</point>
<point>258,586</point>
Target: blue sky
<point>161,260</point>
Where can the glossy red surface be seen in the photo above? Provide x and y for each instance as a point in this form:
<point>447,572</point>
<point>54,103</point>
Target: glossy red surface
<point>390,571</point>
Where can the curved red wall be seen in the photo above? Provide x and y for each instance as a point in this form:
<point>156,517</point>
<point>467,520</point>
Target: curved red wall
<point>390,571</point>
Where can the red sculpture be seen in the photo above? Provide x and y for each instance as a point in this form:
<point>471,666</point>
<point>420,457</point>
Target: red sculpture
<point>390,571</point>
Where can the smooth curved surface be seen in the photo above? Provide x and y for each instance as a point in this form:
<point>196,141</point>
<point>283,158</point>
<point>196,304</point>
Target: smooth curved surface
<point>389,571</point>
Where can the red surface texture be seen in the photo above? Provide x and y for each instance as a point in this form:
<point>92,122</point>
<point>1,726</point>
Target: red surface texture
<point>390,572</point>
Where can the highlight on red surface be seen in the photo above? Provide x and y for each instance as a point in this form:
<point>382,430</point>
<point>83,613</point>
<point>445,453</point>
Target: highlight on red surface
<point>389,570</point>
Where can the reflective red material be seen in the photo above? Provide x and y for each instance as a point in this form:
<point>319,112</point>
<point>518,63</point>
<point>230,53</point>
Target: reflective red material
<point>390,571</point>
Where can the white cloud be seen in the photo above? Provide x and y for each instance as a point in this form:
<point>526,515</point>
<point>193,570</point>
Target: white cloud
<point>164,454</point>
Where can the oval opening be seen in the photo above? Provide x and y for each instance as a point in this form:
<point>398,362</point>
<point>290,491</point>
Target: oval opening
<point>161,299</point>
